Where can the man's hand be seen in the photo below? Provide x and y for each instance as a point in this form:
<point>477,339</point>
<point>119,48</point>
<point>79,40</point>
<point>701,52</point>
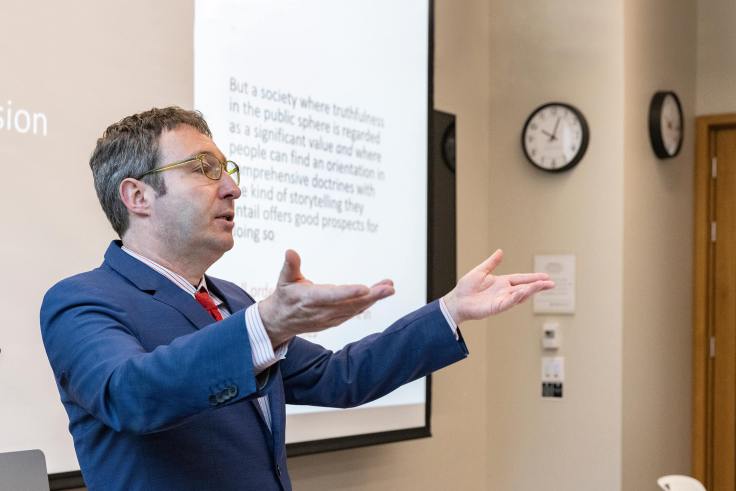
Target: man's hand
<point>297,305</point>
<point>480,294</point>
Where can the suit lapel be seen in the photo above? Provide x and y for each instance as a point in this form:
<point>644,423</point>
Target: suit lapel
<point>180,300</point>
<point>164,290</point>
<point>150,281</point>
<point>234,301</point>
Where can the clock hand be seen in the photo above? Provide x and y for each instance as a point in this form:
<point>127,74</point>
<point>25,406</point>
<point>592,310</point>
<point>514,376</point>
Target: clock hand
<point>554,132</point>
<point>550,135</point>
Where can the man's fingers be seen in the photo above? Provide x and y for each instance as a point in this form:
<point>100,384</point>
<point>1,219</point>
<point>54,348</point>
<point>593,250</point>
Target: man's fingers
<point>544,285</point>
<point>340,296</point>
<point>327,295</point>
<point>526,290</point>
<point>386,282</point>
<point>522,278</point>
<point>490,264</point>
<point>335,313</point>
<point>375,294</point>
<point>291,271</point>
<point>520,293</point>
<point>382,290</point>
<point>354,303</point>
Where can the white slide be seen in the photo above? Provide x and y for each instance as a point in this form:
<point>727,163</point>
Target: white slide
<point>324,106</point>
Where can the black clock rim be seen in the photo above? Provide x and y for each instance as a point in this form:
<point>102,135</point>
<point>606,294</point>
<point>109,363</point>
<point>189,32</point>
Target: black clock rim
<point>448,147</point>
<point>655,127</point>
<point>583,144</point>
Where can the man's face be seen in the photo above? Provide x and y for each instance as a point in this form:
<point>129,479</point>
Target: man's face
<point>195,215</point>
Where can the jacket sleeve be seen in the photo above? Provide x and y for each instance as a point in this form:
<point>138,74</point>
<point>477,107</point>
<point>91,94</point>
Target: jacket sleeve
<point>412,347</point>
<point>100,365</point>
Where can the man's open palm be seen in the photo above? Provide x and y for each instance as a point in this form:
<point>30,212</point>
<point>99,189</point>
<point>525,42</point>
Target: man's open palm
<point>297,305</point>
<point>480,293</point>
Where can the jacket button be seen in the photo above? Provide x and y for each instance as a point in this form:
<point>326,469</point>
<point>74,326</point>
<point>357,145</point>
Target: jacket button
<point>231,391</point>
<point>278,470</point>
<point>213,400</point>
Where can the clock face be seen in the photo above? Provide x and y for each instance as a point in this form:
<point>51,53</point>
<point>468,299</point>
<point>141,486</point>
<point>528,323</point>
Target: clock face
<point>555,137</point>
<point>671,124</point>
<point>665,124</point>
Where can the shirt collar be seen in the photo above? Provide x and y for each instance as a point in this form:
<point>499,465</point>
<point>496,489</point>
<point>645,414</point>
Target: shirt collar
<point>174,277</point>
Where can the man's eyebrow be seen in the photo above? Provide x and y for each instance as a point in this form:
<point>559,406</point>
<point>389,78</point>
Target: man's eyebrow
<point>208,152</point>
<point>192,156</point>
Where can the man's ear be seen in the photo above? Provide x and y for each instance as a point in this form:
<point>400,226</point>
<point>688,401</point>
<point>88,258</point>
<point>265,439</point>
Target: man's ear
<point>137,196</point>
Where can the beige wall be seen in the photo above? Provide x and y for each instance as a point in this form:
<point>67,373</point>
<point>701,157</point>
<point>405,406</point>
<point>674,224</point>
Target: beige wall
<point>626,216</point>
<point>716,57</point>
<point>570,51</point>
<point>660,54</point>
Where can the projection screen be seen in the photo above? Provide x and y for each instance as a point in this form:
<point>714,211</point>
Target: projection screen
<point>323,103</point>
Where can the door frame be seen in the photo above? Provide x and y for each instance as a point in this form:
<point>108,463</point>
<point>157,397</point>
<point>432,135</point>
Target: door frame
<point>702,285</point>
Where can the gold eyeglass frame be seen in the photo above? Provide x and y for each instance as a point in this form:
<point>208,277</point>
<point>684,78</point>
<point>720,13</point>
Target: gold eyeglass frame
<point>200,157</point>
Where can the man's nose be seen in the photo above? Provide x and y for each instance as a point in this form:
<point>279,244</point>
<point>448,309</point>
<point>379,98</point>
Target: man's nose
<point>228,188</point>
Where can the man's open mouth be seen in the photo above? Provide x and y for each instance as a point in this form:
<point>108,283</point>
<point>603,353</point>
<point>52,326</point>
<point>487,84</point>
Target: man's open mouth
<point>227,216</point>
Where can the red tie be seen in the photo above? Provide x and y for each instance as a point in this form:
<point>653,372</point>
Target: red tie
<point>205,301</point>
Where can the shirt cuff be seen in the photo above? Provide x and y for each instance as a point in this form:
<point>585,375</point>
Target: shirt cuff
<point>260,344</point>
<point>449,318</point>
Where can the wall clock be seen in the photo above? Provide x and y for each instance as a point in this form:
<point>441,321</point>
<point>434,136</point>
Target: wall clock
<point>555,137</point>
<point>665,124</point>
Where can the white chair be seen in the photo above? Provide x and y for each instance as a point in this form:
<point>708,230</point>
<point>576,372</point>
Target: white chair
<point>679,483</point>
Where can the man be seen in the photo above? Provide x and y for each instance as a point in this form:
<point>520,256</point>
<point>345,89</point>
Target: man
<point>176,380</point>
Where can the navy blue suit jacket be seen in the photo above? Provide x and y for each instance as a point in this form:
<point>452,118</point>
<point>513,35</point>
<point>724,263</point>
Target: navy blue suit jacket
<point>159,397</point>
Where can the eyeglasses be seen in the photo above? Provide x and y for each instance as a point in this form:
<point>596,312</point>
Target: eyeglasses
<point>209,165</point>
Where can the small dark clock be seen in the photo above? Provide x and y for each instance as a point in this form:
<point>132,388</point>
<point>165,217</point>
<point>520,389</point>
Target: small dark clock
<point>555,137</point>
<point>665,124</point>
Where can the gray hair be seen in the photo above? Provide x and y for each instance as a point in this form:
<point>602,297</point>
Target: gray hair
<point>130,148</point>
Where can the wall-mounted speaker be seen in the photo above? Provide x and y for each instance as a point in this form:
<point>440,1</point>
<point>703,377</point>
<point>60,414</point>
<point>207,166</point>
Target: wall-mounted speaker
<point>442,251</point>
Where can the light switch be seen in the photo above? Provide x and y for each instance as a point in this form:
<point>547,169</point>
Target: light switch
<point>551,335</point>
<point>553,376</point>
<point>553,369</point>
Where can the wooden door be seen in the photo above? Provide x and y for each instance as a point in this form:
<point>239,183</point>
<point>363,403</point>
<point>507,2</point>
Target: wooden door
<point>714,415</point>
<point>722,354</point>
